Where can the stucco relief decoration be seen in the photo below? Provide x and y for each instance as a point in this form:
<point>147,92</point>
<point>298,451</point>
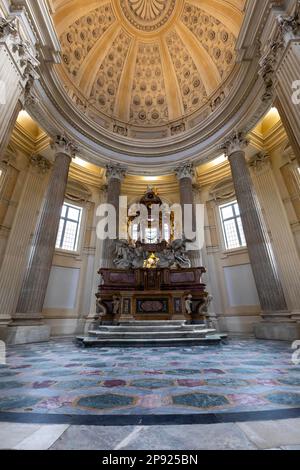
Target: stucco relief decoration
<point>135,67</point>
<point>148,15</point>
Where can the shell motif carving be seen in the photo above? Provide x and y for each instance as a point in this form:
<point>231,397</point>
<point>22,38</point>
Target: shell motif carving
<point>147,10</point>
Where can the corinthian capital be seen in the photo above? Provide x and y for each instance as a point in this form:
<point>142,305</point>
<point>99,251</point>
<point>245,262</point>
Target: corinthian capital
<point>40,162</point>
<point>237,142</point>
<point>290,25</point>
<point>115,171</point>
<point>8,28</point>
<point>63,144</point>
<point>260,161</point>
<point>186,170</point>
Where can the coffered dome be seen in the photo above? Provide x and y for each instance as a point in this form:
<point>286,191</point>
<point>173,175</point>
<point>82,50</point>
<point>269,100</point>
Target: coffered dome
<point>143,68</point>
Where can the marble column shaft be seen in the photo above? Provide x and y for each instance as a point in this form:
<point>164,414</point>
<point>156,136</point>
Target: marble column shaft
<point>31,300</point>
<point>185,174</point>
<point>114,175</point>
<point>262,260</point>
<point>17,250</point>
<point>283,241</point>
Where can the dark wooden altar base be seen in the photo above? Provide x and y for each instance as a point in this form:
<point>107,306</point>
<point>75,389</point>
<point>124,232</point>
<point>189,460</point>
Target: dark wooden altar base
<point>157,294</point>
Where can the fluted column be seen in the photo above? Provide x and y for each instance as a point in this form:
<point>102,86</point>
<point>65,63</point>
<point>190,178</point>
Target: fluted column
<point>18,245</point>
<point>185,174</point>
<point>31,300</point>
<point>266,277</point>
<point>288,76</point>
<point>114,176</point>
<point>86,322</point>
<point>283,241</point>
<point>18,65</point>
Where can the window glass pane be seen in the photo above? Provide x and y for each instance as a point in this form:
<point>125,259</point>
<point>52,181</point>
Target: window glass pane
<point>227,212</point>
<point>73,214</point>
<point>59,234</point>
<point>68,232</point>
<point>231,234</point>
<point>232,226</point>
<point>236,209</point>
<point>70,236</point>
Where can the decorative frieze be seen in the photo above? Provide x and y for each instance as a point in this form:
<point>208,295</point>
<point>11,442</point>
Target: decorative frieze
<point>268,66</point>
<point>18,70</point>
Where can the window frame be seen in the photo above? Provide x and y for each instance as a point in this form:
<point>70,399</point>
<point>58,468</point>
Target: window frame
<point>3,170</point>
<point>234,218</point>
<point>79,230</point>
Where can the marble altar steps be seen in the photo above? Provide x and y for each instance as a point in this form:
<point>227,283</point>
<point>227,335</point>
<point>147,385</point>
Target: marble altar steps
<point>146,333</point>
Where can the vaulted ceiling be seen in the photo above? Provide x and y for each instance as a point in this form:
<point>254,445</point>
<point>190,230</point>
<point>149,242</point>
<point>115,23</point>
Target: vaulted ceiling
<point>146,62</point>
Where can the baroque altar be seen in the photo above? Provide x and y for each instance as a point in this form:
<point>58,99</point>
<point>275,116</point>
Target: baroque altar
<point>151,294</point>
<point>152,277</point>
<point>141,290</point>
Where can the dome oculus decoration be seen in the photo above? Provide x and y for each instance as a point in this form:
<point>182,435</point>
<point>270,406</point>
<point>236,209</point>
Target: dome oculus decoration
<point>146,67</point>
<point>147,15</point>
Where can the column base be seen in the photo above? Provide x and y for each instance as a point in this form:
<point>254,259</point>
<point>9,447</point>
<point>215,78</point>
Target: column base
<point>23,334</point>
<point>281,331</point>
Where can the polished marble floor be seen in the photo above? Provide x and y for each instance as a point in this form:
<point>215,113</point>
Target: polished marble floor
<point>62,378</point>
<point>279,435</point>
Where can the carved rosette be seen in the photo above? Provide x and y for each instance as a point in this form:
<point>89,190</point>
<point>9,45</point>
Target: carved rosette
<point>186,170</point>
<point>237,142</point>
<point>62,144</point>
<point>115,172</point>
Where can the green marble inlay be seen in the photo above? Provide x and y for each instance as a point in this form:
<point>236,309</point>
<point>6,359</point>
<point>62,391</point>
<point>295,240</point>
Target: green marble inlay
<point>200,400</point>
<point>103,402</point>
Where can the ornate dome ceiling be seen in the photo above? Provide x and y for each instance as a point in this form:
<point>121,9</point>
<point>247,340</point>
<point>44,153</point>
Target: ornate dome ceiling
<point>143,67</point>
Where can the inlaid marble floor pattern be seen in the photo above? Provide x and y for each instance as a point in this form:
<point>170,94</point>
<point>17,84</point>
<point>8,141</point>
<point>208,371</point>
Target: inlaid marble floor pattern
<point>62,378</point>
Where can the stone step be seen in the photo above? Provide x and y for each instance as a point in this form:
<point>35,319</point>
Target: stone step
<point>153,323</point>
<point>150,335</point>
<point>141,329</point>
<point>121,343</point>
